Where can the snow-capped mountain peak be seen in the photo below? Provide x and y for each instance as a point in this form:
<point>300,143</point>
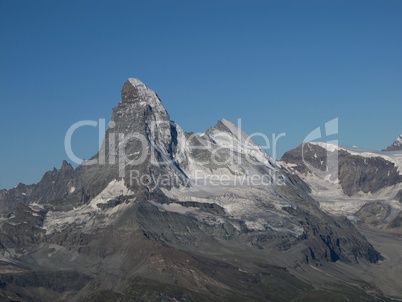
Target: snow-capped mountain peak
<point>226,134</point>
<point>398,141</point>
<point>396,145</point>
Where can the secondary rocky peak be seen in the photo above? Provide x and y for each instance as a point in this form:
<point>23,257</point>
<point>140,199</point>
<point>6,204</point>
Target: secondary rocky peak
<point>396,145</point>
<point>227,127</point>
<point>66,166</point>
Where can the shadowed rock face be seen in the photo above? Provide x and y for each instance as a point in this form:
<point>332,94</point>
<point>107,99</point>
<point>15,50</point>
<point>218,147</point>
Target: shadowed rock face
<point>394,148</point>
<point>312,154</point>
<point>356,173</point>
<point>53,185</point>
<point>398,196</point>
<point>107,238</point>
<point>36,285</point>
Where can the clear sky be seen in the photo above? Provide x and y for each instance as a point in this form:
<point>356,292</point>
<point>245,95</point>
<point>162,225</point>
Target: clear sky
<point>280,66</point>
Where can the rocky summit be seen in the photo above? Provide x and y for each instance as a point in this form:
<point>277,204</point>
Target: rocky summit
<point>396,145</point>
<point>160,214</point>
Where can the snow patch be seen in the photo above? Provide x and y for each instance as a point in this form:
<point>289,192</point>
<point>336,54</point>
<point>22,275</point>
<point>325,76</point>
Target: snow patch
<point>85,217</point>
<point>326,146</point>
<point>114,189</point>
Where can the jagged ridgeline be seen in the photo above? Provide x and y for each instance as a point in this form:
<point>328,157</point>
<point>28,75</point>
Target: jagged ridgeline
<point>160,214</point>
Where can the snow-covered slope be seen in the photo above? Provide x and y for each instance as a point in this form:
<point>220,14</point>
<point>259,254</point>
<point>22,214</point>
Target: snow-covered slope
<point>99,212</point>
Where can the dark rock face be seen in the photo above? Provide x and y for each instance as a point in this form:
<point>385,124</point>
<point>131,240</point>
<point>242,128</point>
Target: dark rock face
<point>41,286</point>
<point>19,194</point>
<point>398,196</point>
<point>394,148</point>
<point>396,222</point>
<point>91,234</point>
<point>332,239</point>
<point>312,154</point>
<point>356,173</point>
<point>22,229</point>
<point>54,185</point>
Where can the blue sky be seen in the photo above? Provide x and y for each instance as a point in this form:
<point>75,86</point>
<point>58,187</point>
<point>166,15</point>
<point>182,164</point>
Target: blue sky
<point>280,66</point>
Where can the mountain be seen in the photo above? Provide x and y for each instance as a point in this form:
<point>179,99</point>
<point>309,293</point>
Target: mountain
<point>396,145</point>
<point>366,187</point>
<point>359,171</point>
<point>160,214</point>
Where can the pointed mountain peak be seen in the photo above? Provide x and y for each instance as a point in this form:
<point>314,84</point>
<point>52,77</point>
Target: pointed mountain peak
<point>136,93</point>
<point>229,135</point>
<point>134,90</point>
<point>226,122</point>
<point>227,126</point>
<point>66,166</point>
<point>396,145</point>
<point>398,141</point>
